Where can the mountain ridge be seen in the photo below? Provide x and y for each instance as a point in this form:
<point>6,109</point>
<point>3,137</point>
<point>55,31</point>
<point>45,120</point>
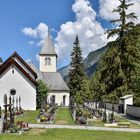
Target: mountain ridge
<point>90,63</point>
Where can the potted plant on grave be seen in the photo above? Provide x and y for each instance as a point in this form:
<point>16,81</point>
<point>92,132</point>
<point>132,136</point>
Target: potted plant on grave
<point>22,125</point>
<point>43,118</point>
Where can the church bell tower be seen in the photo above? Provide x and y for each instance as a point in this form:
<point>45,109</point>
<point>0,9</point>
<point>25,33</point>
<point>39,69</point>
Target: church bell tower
<point>48,56</point>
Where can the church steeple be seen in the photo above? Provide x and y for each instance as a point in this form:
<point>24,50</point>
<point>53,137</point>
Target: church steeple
<point>48,48</point>
<point>48,56</point>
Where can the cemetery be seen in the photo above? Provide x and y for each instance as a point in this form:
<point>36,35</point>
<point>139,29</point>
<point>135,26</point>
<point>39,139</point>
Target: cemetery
<point>103,114</point>
<point>15,120</point>
<point>92,113</point>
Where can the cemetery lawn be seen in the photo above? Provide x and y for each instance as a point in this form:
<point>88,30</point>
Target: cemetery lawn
<point>29,116</point>
<point>96,123</point>
<point>100,123</point>
<point>132,125</point>
<point>68,134</point>
<point>63,116</point>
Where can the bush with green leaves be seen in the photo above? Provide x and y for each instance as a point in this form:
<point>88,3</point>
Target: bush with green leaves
<point>14,129</point>
<point>42,90</point>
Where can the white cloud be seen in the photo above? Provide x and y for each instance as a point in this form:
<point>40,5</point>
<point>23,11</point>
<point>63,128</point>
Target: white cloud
<point>42,30</point>
<point>107,6</point>
<point>91,33</point>
<point>39,32</point>
<point>82,8</point>
<point>31,42</point>
<point>30,32</point>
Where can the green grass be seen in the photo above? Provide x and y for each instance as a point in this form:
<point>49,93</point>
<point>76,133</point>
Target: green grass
<point>67,134</point>
<point>63,116</point>
<point>122,120</point>
<point>96,122</point>
<point>29,116</point>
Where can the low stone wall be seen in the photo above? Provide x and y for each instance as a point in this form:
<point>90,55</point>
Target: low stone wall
<point>133,111</point>
<point>109,106</point>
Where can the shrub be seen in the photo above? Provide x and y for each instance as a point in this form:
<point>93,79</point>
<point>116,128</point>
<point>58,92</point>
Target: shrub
<point>14,129</point>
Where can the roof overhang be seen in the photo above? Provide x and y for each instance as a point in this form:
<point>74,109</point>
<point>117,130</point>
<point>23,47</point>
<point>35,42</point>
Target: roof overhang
<point>10,62</point>
<point>15,55</point>
<point>48,54</point>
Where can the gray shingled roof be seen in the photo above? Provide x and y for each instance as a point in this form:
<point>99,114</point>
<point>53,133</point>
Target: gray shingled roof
<point>53,79</point>
<point>37,71</point>
<point>48,47</point>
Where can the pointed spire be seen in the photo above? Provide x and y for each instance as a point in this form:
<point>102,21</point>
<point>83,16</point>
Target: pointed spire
<point>48,48</point>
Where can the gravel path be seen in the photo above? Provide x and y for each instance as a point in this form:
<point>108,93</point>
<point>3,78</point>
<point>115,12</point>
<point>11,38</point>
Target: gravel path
<point>82,127</point>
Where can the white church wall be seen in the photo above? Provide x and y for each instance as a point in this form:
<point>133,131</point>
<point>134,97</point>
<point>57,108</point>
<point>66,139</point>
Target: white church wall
<point>24,88</point>
<point>59,98</point>
<point>47,68</point>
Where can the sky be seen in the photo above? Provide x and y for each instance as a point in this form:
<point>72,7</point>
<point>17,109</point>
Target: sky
<point>24,26</point>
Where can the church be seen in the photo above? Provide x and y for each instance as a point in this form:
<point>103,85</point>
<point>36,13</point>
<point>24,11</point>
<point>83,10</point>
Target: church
<point>18,78</point>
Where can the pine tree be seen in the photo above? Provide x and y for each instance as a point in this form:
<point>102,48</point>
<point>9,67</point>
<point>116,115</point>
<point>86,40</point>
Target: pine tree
<point>133,59</point>
<point>124,20</point>
<point>117,71</point>
<point>121,69</point>
<point>78,84</point>
<point>125,24</point>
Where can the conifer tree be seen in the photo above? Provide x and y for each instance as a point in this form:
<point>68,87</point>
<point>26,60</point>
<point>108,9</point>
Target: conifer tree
<point>118,68</point>
<point>124,20</point>
<point>78,84</point>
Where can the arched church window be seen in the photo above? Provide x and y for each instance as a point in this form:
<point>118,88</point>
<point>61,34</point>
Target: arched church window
<point>13,92</point>
<point>47,61</point>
